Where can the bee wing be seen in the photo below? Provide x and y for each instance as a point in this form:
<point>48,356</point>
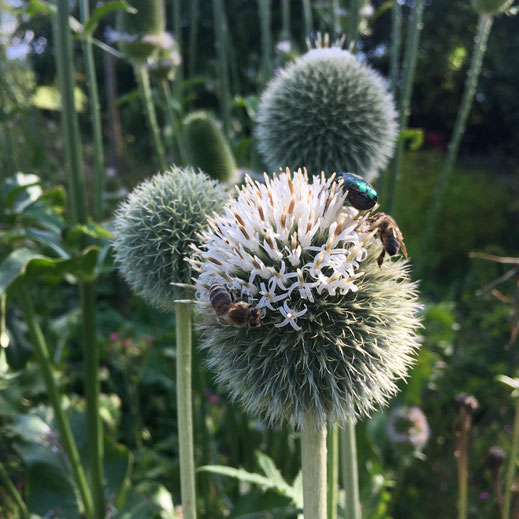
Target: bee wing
<point>403,249</point>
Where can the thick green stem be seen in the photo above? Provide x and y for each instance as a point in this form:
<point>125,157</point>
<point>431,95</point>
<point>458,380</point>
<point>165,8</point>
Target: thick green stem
<point>512,462</point>
<point>333,471</point>
<point>91,366</point>
<point>193,35</point>
<point>143,78</point>
<point>462,462</point>
<point>285,20</point>
<point>95,118</point>
<point>11,489</point>
<point>334,19</point>
<point>350,472</point>
<point>175,125</point>
<point>223,66</point>
<point>411,55</point>
<point>396,41</point>
<point>177,30</point>
<point>265,17</point>
<point>184,410</point>
<point>353,24</point>
<point>484,26</point>
<point>307,13</point>
<point>65,66</point>
<point>313,456</point>
<point>65,432</point>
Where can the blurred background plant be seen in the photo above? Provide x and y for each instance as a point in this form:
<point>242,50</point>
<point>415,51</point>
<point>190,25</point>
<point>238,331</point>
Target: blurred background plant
<point>221,54</point>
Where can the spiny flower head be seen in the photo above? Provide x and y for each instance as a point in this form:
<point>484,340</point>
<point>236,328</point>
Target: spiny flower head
<point>336,330</point>
<point>408,426</point>
<point>327,111</point>
<point>155,227</point>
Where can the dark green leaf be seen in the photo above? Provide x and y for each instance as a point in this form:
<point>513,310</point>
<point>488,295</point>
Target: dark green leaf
<point>102,11</point>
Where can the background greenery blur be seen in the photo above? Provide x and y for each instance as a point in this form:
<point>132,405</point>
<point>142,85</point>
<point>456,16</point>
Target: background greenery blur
<point>467,338</point>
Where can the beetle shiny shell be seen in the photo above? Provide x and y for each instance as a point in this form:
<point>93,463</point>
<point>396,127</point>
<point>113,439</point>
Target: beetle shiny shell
<point>360,194</point>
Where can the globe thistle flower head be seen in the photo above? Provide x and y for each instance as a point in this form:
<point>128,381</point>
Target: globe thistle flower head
<point>327,111</point>
<point>336,331</point>
<point>155,226</point>
<point>408,426</point>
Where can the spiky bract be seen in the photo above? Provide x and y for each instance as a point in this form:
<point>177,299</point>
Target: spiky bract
<point>155,226</point>
<point>337,331</point>
<point>137,30</point>
<point>491,7</point>
<point>327,111</point>
<point>207,146</point>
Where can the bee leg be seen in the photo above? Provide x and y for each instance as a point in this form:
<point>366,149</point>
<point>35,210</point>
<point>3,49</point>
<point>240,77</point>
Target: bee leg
<point>381,258</point>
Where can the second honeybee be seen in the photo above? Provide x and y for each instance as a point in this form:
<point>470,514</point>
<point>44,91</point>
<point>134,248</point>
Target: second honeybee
<point>238,313</point>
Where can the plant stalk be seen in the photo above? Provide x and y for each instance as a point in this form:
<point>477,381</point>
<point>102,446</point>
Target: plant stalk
<point>193,35</point>
<point>95,118</point>
<point>223,66</point>
<point>353,24</point>
<point>87,294</point>
<point>184,410</point>
<point>309,23</point>
<point>484,26</point>
<point>11,489</point>
<point>333,471</point>
<point>313,456</point>
<point>265,17</point>
<point>65,66</point>
<point>396,42</point>
<point>512,462</point>
<point>143,79</point>
<point>177,30</point>
<point>350,471</point>
<point>411,55</point>
<point>65,432</point>
<point>175,125</point>
<point>334,20</point>
<point>285,20</point>
<point>461,454</point>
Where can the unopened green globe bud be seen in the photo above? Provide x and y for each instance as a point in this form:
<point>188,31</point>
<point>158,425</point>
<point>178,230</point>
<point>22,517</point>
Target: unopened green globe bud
<point>155,227</point>
<point>165,63</point>
<point>491,7</point>
<point>137,32</point>
<point>328,112</point>
<point>207,146</point>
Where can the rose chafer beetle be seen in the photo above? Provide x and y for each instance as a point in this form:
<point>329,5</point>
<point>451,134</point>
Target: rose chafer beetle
<point>360,194</point>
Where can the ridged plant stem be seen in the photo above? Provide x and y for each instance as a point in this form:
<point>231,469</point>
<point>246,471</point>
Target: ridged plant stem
<point>285,20</point>
<point>87,294</point>
<point>512,462</point>
<point>353,24</point>
<point>184,410</point>
<point>411,54</point>
<point>8,485</point>
<point>333,471</point>
<point>334,21</point>
<point>350,472</point>
<point>480,43</point>
<point>65,432</point>
<point>143,78</point>
<point>313,457</point>
<point>80,215</point>
<point>194,14</point>
<point>95,118</point>
<point>396,42</point>
<point>177,31</point>
<point>223,66</point>
<point>307,13</point>
<point>175,124</point>
<point>64,62</point>
<point>461,455</point>
<point>265,17</point>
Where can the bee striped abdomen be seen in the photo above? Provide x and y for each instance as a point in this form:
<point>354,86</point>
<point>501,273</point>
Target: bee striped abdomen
<point>220,299</point>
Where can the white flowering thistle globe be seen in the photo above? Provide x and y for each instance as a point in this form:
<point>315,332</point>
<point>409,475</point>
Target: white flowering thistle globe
<point>155,227</point>
<point>327,111</point>
<point>337,331</point>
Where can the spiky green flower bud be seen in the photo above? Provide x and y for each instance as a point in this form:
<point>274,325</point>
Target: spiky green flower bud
<point>327,111</point>
<point>337,331</point>
<point>139,33</point>
<point>207,146</point>
<point>155,226</point>
<point>491,7</point>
